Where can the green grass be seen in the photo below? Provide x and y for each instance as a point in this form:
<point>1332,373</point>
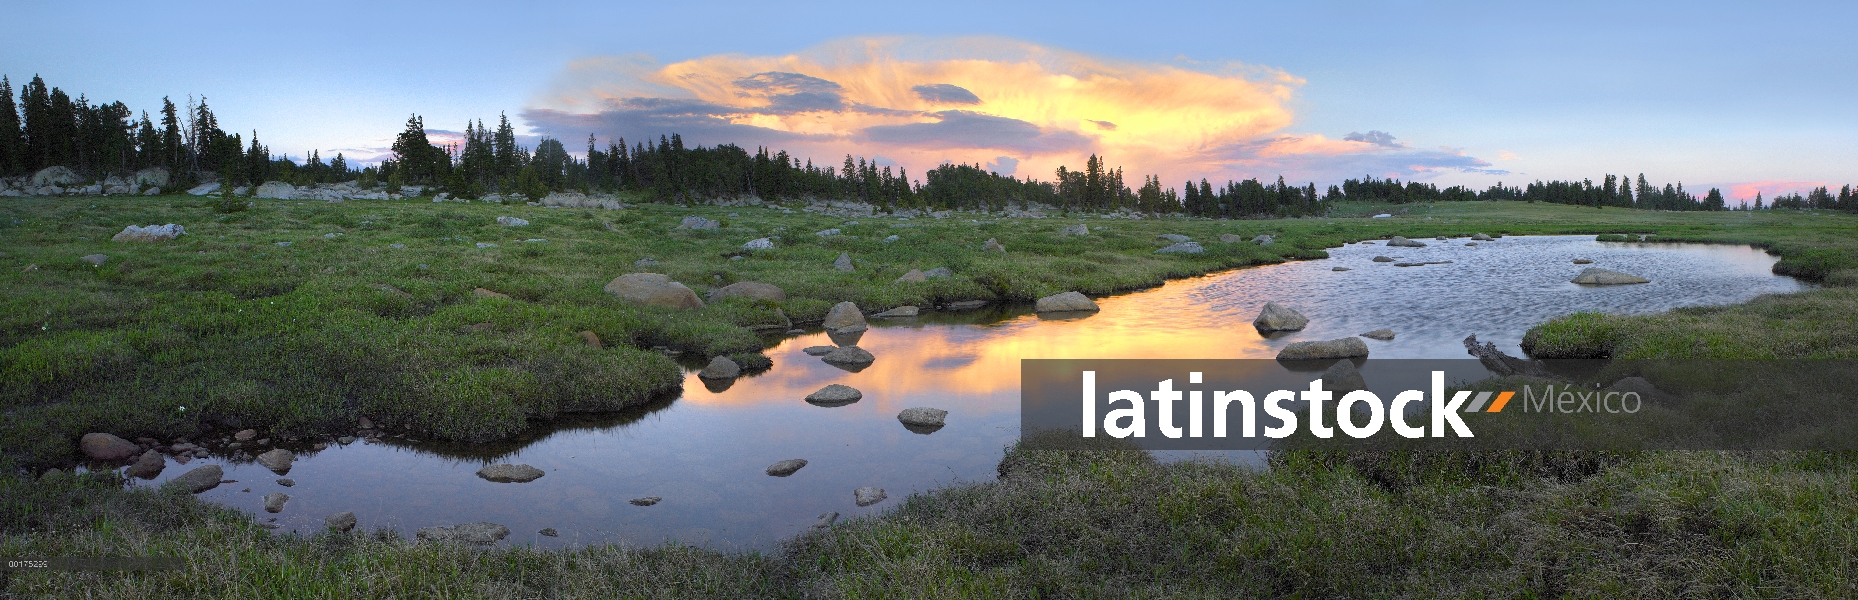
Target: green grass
<point>300,341</point>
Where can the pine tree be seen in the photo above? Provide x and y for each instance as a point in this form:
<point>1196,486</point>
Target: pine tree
<point>173,151</point>
<point>147,143</point>
<point>36,104</point>
<point>12,138</point>
<point>413,151</point>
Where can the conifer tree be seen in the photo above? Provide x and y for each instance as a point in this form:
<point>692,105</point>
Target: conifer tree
<point>12,138</point>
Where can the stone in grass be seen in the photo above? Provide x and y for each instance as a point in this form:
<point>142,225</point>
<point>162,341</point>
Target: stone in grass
<point>913,276</point>
<point>819,350</point>
<point>655,289</point>
<point>993,245</point>
<point>1385,335</point>
<point>1079,229</point>
<point>105,446</point>
<point>511,221</point>
<point>1349,347</point>
<point>484,293</point>
<point>786,467</point>
<point>199,480</point>
<point>468,533</point>
<point>835,395</point>
<point>278,460</point>
<point>1277,317</point>
<point>1065,302</point>
<point>152,233</point>
<point>509,473</point>
<point>759,244</point>
<point>646,501</point>
<point>274,502</point>
<point>342,521</point>
<point>721,367</point>
<point>95,260</point>
<point>844,317</point>
<point>850,356</point>
<point>844,263</point>
<point>938,273</point>
<point>1173,237</point>
<point>1182,248</point>
<point>866,496</point>
<point>749,289</point>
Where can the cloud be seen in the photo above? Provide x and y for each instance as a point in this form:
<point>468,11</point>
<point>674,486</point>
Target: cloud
<point>970,100</point>
<point>1003,165</point>
<point>1506,155</point>
<point>1768,188</point>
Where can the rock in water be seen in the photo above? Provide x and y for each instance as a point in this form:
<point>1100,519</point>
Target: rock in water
<point>835,395</point>
<point>1481,237</point>
<point>152,233</point>
<point>274,502</point>
<point>826,520</point>
<point>287,482</point>
<point>759,244</point>
<point>721,367</point>
<point>104,446</point>
<point>1583,261</point>
<point>1065,302</point>
<point>148,466</point>
<point>342,521</point>
<point>993,245</point>
<point>844,317</point>
<point>749,289</point>
<point>511,221</point>
<point>277,460</point>
<point>922,417</point>
<point>1339,269</point>
<point>1078,229</point>
<point>901,311</point>
<point>1384,335</point>
<point>548,531</point>
<point>1349,347</point>
<point>866,496</point>
<point>1342,378</point>
<point>849,356</point>
<point>915,275</point>
<point>1405,243</point>
<point>1382,259</point>
<point>646,501</point>
<point>786,467</point>
<point>1277,317</point>
<point>469,533</point>
<point>844,263</point>
<point>1182,248</point>
<point>819,350</point>
<point>200,479</point>
<point>509,473</point>
<point>1599,276</point>
<point>654,289</point>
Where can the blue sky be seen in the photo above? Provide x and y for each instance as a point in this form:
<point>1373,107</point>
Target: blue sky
<point>1739,96</point>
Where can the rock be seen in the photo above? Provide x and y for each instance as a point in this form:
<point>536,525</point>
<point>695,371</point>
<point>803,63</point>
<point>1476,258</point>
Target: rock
<point>1231,238</point>
<point>938,272</point>
<point>721,367</point>
<point>345,440</point>
<point>913,276</point>
<point>1583,261</point>
<point>1443,238</point>
<point>849,355</point>
<point>1173,237</point>
<point>1277,317</point>
<point>59,176</point>
<point>645,262</point>
<point>844,317</point>
<point>1409,264</point>
<point>1078,229</point>
<point>901,311</point>
<point>1471,243</point>
<point>1481,237</point>
<point>200,479</point>
<point>759,244</point>
<point>749,289</point>
<point>204,189</point>
<point>484,293</point>
<point>1065,302</point>
<point>278,460</point>
<point>922,417</point>
<point>283,244</point>
<point>1263,240</point>
<point>548,531</point>
<point>342,521</point>
<point>469,533</point>
<point>148,466</point>
<point>364,423</point>
<point>1339,269</point>
<point>827,232</point>
<point>29,268</point>
<point>1182,248</point>
<point>654,289</point>
<point>844,263</point>
<point>274,502</point>
<point>891,239</point>
<point>152,176</point>
<point>646,501</point>
<point>319,446</point>
<point>245,435</point>
<point>152,233</point>
<point>1503,364</point>
<point>835,395</point>
<point>509,473</point>
<point>95,260</point>
<point>1385,335</point>
<point>592,339</point>
<point>1599,276</point>
<point>1382,259</point>
<point>1342,378</point>
<point>483,245</point>
<point>696,222</point>
<point>866,496</point>
<point>826,520</point>
<point>105,446</point>
<point>287,482</point>
<point>275,189</point>
<point>993,245</point>
<point>512,221</point>
<point>786,467</point>
<point>1405,243</point>
<point>819,350</point>
<point>966,304</point>
<point>1349,347</point>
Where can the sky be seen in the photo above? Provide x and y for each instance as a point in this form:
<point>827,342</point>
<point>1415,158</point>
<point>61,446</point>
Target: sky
<point>1744,97</point>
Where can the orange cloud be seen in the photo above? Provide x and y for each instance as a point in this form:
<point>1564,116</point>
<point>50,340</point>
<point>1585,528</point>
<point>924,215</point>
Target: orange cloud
<point>1770,188</point>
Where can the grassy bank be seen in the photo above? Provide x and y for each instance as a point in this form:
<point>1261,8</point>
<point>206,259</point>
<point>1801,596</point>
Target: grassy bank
<point>301,341</point>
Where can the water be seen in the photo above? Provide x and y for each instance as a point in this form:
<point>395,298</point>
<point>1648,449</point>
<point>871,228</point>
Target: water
<point>704,452</point>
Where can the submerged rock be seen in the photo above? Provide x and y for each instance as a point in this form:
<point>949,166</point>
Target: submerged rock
<point>1342,378</point>
<point>819,350</point>
<point>1277,317</point>
<point>1349,347</point>
<point>826,520</point>
<point>786,467</point>
<point>1380,334</point>
<point>200,479</point>
<point>1599,276</point>
<point>1583,261</point>
<point>901,311</point>
<point>509,473</point>
<point>1382,259</point>
<point>278,460</point>
<point>274,501</point>
<point>866,496</point>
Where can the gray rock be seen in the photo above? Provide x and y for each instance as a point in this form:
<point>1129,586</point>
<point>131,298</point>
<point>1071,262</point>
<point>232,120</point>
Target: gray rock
<point>844,317</point>
<point>275,189</point>
<point>826,520</point>
<point>1182,248</point>
<point>844,263</point>
<point>1384,335</point>
<point>1409,264</point>
<point>152,233</point>
<point>938,272</point>
<point>105,446</point>
<point>1065,302</point>
<point>891,239</point>
<point>993,245</point>
<point>287,482</point>
<point>721,367</point>
<point>827,232</point>
<point>1277,317</point>
<point>469,533</point>
<point>1599,276</point>
<point>1481,237</point>
<point>922,417</point>
<point>913,276</point>
<point>345,440</point>
<point>1471,243</point>
<point>1349,347</point>
<point>1173,237</point>
<point>1382,259</point>
<point>277,460</point>
<point>834,395</point>
<point>866,496</point>
<point>342,521</point>
<point>759,244</point>
<point>646,501</point>
<point>200,479</point>
<point>1342,378</point>
<point>898,312</point>
<point>1583,261</point>
<point>654,289</point>
<point>1339,269</point>
<point>1263,240</point>
<point>274,502</point>
<point>786,467</point>
<point>1079,229</point>
<point>1405,243</point>
<point>696,222</point>
<point>153,176</point>
<point>645,262</point>
<point>59,176</point>
<point>204,189</point>
<point>849,356</point>
<point>95,260</point>
<point>483,245</point>
<point>245,435</point>
<point>148,466</point>
<point>819,350</point>
<point>509,473</point>
<point>548,531</point>
<point>749,289</point>
<point>512,221</point>
<point>966,304</point>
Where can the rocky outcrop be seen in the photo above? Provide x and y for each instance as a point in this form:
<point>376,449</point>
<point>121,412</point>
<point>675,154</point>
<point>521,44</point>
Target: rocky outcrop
<point>749,289</point>
<point>844,317</point>
<point>1182,248</point>
<point>721,367</point>
<point>1349,347</point>
<point>509,473</point>
<point>786,467</point>
<point>275,189</point>
<point>1065,302</point>
<point>1277,317</point>
<point>105,446</point>
<point>835,395</point>
<point>1599,276</point>
<point>152,233</point>
<point>58,176</point>
<point>654,289</point>
<point>469,533</point>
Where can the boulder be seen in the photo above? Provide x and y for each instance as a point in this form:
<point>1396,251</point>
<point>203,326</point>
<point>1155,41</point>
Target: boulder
<point>287,482</point>
<point>1263,240</point>
<point>922,417</point>
<point>1342,378</point>
<point>204,189</point>
<point>342,521</point>
<point>95,260</point>
<point>274,502</point>
<point>786,467</point>
<point>913,276</point>
<point>469,533</point>
<point>646,501</point>
<point>199,480</point>
<point>511,221</point>
<point>1405,243</point>
<point>844,317</point>
<point>1065,302</point>
<point>938,272</point>
<point>749,289</point>
<point>826,520</point>
<point>152,176</point>
<point>1481,237</point>
<point>548,531</point>
<point>993,245</point>
<point>1231,238</point>
<point>721,367</point>
<point>835,395</point>
<point>1385,335</point>
<point>1173,237</point>
<point>844,263</point>
<point>1583,261</point>
<point>278,460</point>
<point>509,473</point>
<point>275,189</point>
<point>58,176</point>
<point>891,238</point>
<point>819,350</point>
<point>592,339</point>
<point>484,293</point>
<point>901,311</point>
<point>1277,317</point>
<point>1339,268</point>
<point>152,233</point>
<point>1349,347</point>
<point>105,446</point>
<point>759,244</point>
<point>1383,259</point>
<point>696,222</point>
<point>1599,276</point>
<point>827,232</point>
<point>654,289</point>
<point>1078,229</point>
<point>966,304</point>
<point>849,355</point>
<point>148,466</point>
<point>866,496</point>
<point>1182,248</point>
<point>246,435</point>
